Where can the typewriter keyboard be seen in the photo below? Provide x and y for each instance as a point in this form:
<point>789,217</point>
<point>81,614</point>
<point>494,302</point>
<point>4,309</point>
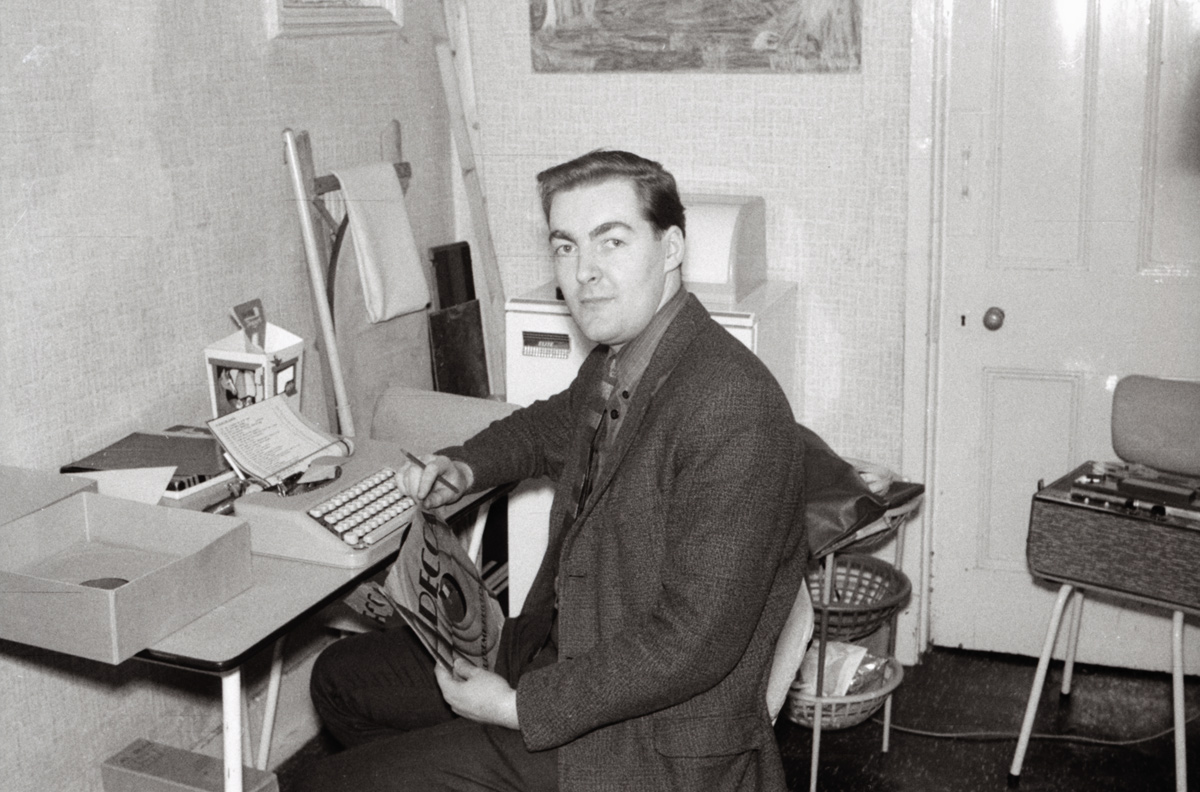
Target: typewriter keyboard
<point>365,512</point>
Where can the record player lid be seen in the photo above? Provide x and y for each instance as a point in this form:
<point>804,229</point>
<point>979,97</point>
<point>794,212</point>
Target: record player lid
<point>1156,422</point>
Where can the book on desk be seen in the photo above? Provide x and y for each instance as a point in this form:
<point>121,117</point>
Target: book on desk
<point>201,473</point>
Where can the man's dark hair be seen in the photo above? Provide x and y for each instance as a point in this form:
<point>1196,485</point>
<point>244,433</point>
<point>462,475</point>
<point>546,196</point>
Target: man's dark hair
<point>654,186</point>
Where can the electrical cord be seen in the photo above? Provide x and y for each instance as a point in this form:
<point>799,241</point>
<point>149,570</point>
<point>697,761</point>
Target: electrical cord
<point>999,736</point>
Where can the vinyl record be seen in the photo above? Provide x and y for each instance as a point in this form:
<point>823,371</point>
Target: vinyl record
<point>440,593</point>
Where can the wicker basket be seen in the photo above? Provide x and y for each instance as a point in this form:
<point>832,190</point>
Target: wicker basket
<point>842,712</point>
<point>866,593</point>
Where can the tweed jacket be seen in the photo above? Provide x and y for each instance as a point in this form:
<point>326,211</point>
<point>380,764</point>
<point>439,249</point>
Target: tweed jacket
<point>674,582</point>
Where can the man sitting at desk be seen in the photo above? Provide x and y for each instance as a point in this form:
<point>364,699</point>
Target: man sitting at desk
<point>676,548</point>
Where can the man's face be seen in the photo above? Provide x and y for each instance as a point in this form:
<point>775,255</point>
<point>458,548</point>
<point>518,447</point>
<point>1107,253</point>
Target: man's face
<point>610,263</point>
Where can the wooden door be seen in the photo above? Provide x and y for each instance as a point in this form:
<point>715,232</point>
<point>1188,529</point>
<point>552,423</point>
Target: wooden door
<point>1072,205</point>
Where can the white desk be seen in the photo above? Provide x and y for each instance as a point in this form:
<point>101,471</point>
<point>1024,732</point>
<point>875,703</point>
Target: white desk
<point>221,641</point>
<point>285,591</point>
<point>224,639</point>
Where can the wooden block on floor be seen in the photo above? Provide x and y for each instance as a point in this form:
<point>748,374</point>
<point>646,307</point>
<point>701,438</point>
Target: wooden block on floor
<point>145,766</point>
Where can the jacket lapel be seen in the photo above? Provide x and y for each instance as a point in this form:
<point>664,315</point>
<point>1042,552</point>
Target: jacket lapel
<point>675,341</point>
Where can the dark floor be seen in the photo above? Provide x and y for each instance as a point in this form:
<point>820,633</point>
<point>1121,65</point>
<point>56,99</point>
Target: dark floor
<point>964,693</point>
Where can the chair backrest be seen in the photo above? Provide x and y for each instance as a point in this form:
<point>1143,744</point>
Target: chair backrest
<point>789,650</point>
<point>1156,422</point>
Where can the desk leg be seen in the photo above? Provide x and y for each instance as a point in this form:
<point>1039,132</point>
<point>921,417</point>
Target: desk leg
<point>268,724</point>
<point>1177,691</point>
<point>231,706</point>
<point>1039,681</point>
<point>247,750</point>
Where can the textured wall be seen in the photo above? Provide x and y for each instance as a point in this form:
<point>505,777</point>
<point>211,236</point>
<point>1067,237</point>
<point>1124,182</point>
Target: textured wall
<point>827,151</point>
<point>145,193</point>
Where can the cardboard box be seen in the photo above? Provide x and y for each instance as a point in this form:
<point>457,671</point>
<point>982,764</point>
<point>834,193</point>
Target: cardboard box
<point>104,578</point>
<point>25,491</point>
<point>239,373</point>
<point>145,766</point>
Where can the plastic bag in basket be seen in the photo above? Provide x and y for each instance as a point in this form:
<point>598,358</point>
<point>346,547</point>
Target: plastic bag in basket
<point>871,675</point>
<point>841,663</point>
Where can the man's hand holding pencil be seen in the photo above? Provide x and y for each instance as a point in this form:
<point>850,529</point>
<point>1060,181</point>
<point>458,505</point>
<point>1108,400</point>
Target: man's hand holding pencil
<point>434,480</point>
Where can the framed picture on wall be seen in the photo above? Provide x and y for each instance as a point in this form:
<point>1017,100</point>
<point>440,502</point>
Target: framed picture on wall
<point>333,17</point>
<point>780,36</point>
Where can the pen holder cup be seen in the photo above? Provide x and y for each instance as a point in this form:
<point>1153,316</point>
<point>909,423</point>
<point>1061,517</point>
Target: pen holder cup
<point>241,373</point>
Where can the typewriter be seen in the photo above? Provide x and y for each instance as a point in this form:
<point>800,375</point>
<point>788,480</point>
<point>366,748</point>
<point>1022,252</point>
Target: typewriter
<point>353,520</point>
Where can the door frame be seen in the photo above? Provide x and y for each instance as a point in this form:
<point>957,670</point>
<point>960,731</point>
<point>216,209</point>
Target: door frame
<point>928,79</point>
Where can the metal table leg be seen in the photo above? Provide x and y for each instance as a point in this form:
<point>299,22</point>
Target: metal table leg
<point>1072,641</point>
<point>1177,701</point>
<point>1039,681</point>
<point>268,724</point>
<point>231,707</point>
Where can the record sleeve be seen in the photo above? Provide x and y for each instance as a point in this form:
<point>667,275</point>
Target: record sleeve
<point>438,590</point>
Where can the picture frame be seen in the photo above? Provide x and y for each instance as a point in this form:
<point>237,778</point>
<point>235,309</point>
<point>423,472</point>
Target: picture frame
<point>730,36</point>
<point>298,18</point>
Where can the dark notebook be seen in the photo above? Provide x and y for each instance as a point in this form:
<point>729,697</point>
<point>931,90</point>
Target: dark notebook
<point>196,458</point>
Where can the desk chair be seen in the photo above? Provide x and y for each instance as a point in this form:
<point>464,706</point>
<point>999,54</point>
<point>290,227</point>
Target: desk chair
<point>1156,424</point>
<point>846,500</point>
<point>789,651</point>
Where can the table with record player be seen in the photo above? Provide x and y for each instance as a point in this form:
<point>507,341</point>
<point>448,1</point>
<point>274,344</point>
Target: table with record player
<point>1089,531</point>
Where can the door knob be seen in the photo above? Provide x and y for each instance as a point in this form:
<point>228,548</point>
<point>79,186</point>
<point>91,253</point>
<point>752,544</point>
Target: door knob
<point>993,318</point>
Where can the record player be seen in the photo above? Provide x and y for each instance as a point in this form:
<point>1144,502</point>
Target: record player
<point>1128,529</point>
<point>1138,490</point>
<point>1120,526</point>
<point>1131,526</point>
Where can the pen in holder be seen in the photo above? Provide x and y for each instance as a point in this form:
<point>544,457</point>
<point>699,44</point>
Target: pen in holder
<point>241,373</point>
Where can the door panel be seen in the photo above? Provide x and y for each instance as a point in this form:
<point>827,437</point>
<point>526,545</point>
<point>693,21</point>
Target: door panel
<point>1072,188</point>
<point>1029,415</point>
<point>1174,190</point>
<point>1040,185</point>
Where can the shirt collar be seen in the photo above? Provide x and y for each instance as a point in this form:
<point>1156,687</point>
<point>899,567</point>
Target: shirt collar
<point>634,356</point>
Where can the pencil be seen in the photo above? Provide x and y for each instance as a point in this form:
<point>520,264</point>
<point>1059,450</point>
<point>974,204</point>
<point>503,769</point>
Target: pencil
<point>422,465</point>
